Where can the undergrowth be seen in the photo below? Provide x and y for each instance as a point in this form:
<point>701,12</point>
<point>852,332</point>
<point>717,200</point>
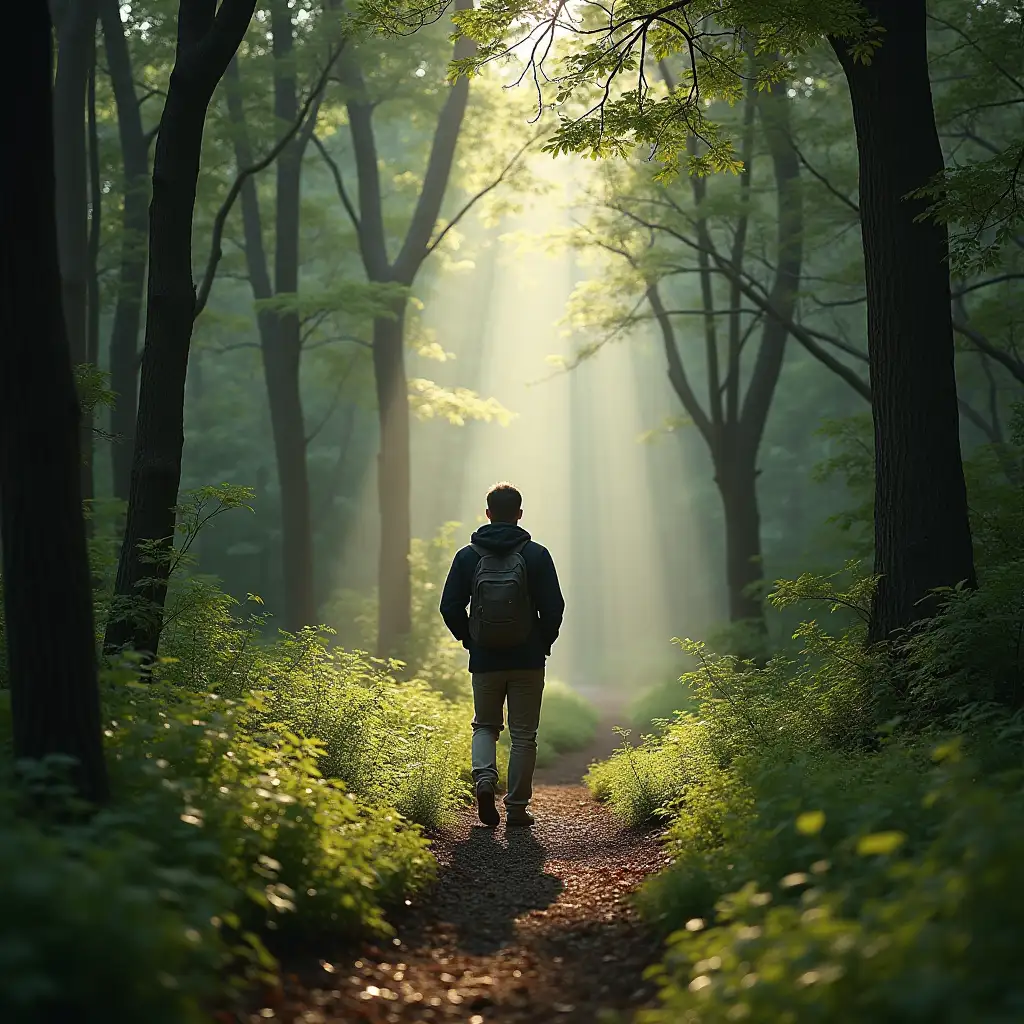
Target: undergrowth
<point>263,789</point>
<point>844,823</point>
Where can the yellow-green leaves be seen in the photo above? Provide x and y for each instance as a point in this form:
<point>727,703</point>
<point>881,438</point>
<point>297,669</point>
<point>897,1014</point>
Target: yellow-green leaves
<point>880,843</point>
<point>810,823</point>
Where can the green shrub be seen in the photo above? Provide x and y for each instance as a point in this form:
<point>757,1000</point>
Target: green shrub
<point>568,722</point>
<point>657,706</point>
<point>934,940</point>
<point>391,741</point>
<point>95,930</point>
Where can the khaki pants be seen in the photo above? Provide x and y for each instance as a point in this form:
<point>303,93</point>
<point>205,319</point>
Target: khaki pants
<point>523,689</point>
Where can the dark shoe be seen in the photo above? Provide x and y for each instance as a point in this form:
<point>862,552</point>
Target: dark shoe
<point>519,816</point>
<point>485,804</point>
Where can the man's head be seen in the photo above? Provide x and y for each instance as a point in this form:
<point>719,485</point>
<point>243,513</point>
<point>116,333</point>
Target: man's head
<point>504,504</point>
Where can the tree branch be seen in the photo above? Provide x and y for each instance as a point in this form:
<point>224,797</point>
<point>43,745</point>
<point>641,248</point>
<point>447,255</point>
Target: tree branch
<point>339,183</point>
<point>470,203</point>
<point>216,251</point>
<point>435,181</point>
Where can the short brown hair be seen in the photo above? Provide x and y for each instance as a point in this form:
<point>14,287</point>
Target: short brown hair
<point>504,502</point>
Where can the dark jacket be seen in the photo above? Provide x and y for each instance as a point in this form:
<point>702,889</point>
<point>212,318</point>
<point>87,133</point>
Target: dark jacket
<point>544,592</point>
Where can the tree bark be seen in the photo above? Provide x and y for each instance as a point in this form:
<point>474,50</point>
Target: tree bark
<point>393,482</point>
<point>48,598</point>
<point>76,41</point>
<point>922,532</point>
<point>124,335</point>
<point>744,568</point>
<point>207,40</point>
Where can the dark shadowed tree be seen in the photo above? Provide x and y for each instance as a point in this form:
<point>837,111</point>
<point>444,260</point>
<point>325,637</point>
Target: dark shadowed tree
<point>922,531</point>
<point>208,37</point>
<point>48,597</point>
<point>76,46</point>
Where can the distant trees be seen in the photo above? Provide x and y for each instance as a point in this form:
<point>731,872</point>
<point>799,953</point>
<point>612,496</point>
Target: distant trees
<point>923,536</point>
<point>47,584</point>
<point>692,263</point>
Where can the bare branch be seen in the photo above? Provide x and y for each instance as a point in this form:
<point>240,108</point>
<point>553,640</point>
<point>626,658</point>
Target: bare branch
<point>470,203</point>
<point>216,251</point>
<point>339,183</point>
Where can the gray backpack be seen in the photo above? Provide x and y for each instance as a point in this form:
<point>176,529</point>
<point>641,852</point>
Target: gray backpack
<point>500,612</point>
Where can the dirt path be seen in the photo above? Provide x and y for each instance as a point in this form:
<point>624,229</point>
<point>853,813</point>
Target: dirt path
<point>524,925</point>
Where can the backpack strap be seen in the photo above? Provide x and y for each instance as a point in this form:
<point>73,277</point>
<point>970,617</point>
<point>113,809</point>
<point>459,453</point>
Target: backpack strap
<point>480,550</point>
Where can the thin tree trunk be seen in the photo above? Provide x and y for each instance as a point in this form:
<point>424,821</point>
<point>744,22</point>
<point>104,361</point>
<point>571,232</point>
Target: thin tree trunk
<point>207,40</point>
<point>282,360</point>
<point>393,482</point>
<point>922,532</point>
<point>280,340</point>
<point>737,480</point>
<point>124,335</point>
<point>744,569</point>
<point>48,596</point>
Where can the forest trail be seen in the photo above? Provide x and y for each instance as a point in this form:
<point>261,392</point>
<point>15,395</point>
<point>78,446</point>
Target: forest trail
<point>524,925</point>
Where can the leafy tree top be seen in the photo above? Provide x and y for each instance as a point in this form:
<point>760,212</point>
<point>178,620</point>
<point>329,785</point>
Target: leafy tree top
<point>591,63</point>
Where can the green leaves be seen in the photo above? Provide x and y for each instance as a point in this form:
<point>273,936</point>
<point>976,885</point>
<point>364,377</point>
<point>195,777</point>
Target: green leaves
<point>456,405</point>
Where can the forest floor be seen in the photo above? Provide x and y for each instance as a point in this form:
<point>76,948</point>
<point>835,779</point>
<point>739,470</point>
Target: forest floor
<point>524,924</point>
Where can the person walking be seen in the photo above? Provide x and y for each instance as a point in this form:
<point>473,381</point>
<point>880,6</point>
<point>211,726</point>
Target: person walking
<point>509,583</point>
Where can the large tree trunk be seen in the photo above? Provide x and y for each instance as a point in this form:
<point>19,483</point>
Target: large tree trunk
<point>922,533</point>
<point>76,42</point>
<point>124,335</point>
<point>393,482</point>
<point>48,598</point>
<point>206,43</point>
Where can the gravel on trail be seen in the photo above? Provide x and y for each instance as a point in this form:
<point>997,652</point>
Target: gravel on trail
<point>524,925</point>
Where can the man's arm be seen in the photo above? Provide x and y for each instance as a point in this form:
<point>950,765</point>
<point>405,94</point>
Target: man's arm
<point>547,599</point>
<point>455,597</point>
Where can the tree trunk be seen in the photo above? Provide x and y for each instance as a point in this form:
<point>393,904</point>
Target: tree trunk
<point>393,482</point>
<point>282,359</point>
<point>280,340</point>
<point>737,485</point>
<point>124,335</point>
<point>206,43</point>
<point>922,533</point>
<point>48,598</point>
<point>76,41</point>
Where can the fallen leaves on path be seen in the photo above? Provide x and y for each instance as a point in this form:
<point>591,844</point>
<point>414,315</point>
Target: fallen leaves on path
<point>524,925</point>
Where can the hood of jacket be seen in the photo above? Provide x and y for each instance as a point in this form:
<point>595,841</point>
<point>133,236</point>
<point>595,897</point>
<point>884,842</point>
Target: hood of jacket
<point>499,537</point>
